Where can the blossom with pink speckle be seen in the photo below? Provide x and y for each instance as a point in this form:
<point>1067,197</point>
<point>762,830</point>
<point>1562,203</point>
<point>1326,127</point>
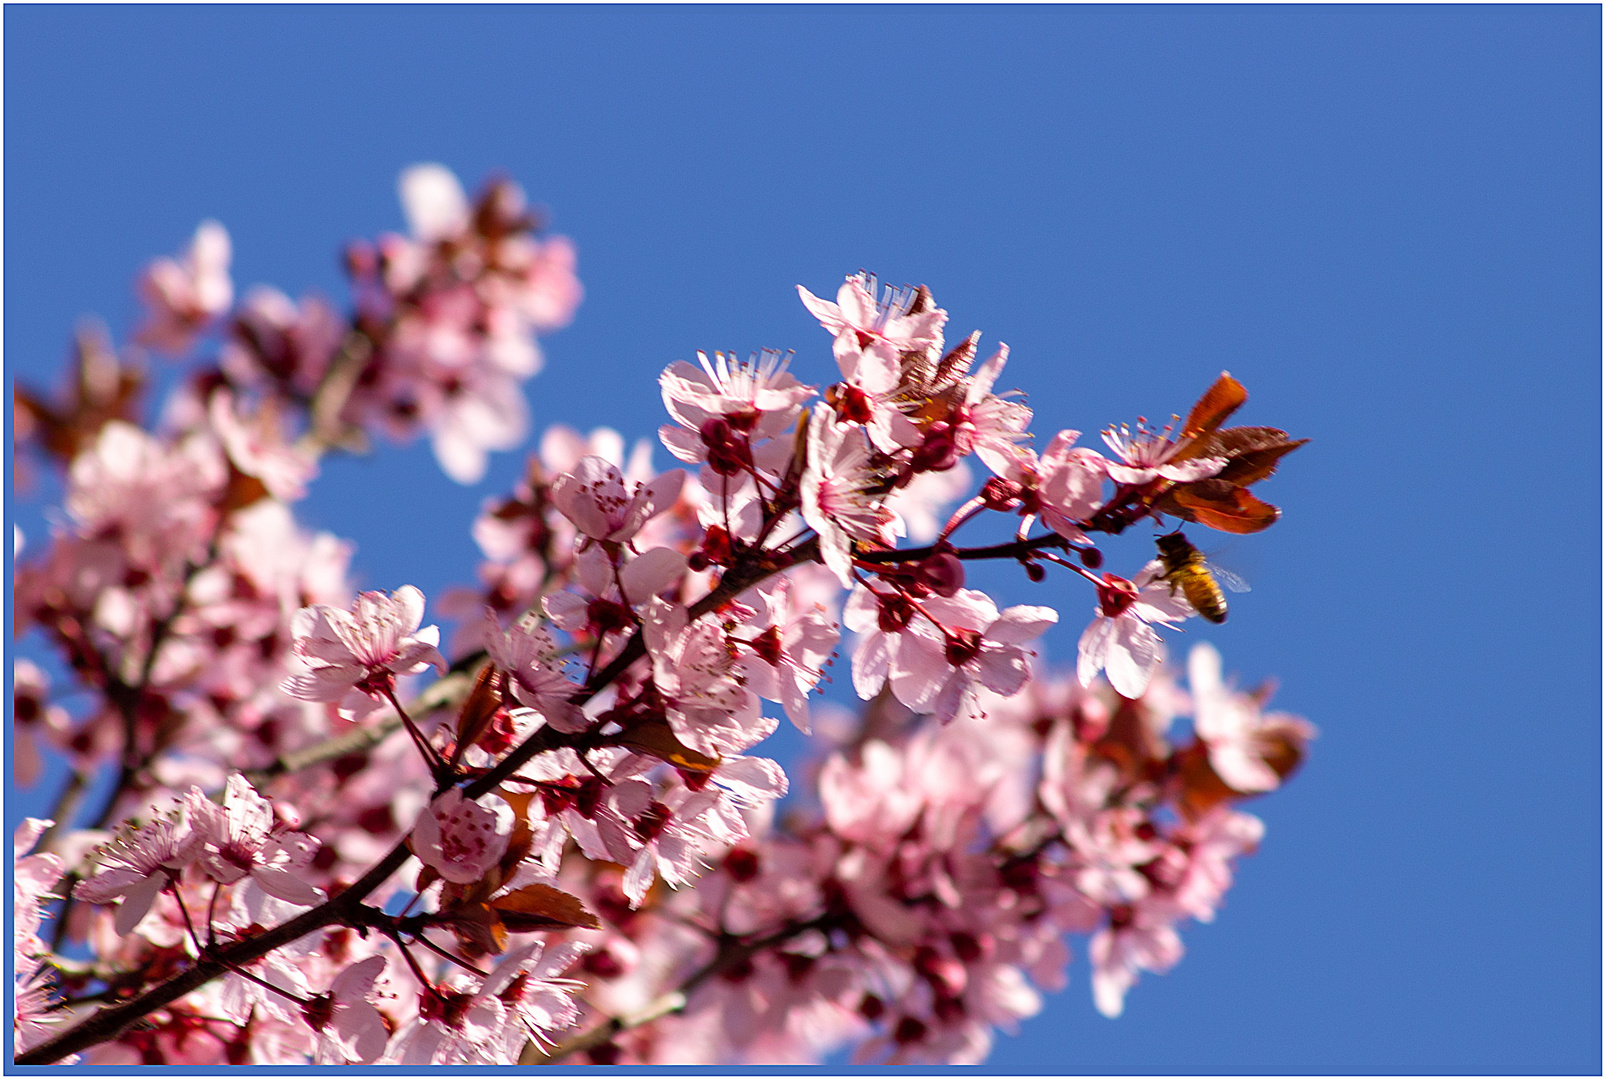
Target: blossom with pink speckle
<point>462,839</point>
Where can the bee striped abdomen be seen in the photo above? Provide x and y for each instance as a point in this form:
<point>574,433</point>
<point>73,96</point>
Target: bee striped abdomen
<point>1185,569</point>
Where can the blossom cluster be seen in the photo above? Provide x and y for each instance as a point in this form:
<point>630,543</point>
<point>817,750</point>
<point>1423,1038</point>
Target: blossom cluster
<point>567,844</point>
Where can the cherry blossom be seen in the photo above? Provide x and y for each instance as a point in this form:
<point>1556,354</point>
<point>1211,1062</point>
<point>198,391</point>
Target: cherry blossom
<point>595,499</point>
<point>1230,724</point>
<point>353,657</point>
<point>570,838</point>
<point>1139,937</point>
<point>527,653</point>
<point>185,294</point>
<point>461,839</point>
<point>257,448</point>
<point>1148,455</point>
<point>962,644</point>
<point>729,405</point>
<point>789,649</point>
<point>839,499</point>
<point>135,866</point>
<point>241,838</point>
<point>1071,485</point>
<point>870,333</point>
<point>1121,640</point>
<point>708,706</point>
<point>350,1029</point>
<point>522,996</point>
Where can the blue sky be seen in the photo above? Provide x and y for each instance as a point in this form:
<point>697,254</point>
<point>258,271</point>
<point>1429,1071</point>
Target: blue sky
<point>1385,221</point>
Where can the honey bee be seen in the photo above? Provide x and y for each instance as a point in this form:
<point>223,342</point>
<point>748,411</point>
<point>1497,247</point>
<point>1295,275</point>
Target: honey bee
<point>1200,581</point>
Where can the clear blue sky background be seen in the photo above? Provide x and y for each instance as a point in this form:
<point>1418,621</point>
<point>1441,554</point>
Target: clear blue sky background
<point>1384,220</point>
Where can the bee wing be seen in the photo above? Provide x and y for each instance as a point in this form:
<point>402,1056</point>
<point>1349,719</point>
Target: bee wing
<point>1228,580</point>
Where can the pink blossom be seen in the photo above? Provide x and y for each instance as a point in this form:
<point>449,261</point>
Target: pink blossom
<point>33,715</point>
<point>869,333</point>
<point>1139,937</point>
<point>863,398</point>
<point>544,289</point>
<point>273,339</point>
<point>433,201</point>
<point>523,997</point>
<point>708,706</point>
<point>595,499</point>
<point>869,802</point>
<point>155,497</point>
<point>135,865</point>
<point>1120,640</point>
<point>528,654</point>
<point>942,670</point>
<point>1071,485</point>
<point>183,295</point>
<point>879,620</point>
<point>258,448</point>
<point>32,878</point>
<point>1211,844</point>
<point>839,497</point>
<point>480,410</point>
<point>789,647</point>
<point>1147,455</point>
<point>242,839</point>
<point>461,840</point>
<point>728,406</point>
<point>350,1030</point>
<point>654,837</point>
<point>987,424</point>
<point>1233,729</point>
<point>608,594</point>
<point>354,656</point>
<point>34,1016</point>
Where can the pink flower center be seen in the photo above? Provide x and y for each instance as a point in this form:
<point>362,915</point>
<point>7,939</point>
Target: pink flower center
<point>853,405</point>
<point>961,645</point>
<point>768,646</point>
<point>1116,594</point>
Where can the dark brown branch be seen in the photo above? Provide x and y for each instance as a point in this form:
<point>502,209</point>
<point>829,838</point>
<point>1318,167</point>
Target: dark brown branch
<point>112,1021</point>
<point>1015,549</point>
<point>344,909</point>
<point>732,951</point>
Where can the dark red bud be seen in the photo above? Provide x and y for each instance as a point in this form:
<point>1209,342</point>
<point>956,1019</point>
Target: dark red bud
<point>943,573</point>
<point>1001,494</point>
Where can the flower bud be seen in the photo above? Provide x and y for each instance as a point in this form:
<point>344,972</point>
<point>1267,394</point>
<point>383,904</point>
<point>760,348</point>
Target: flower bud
<point>943,573</point>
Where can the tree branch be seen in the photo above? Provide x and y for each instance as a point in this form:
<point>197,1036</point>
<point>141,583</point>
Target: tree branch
<point>112,1021</point>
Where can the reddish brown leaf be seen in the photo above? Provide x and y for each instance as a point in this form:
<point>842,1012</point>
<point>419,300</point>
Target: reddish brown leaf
<point>101,388</point>
<point>541,907</point>
<point>1131,744</point>
<point>477,922</point>
<point>1252,453</point>
<point>1218,403</point>
<point>518,844</point>
<point>1220,505</point>
<point>243,490</point>
<point>479,708</point>
<point>655,737</point>
<point>1202,790</point>
<point>1283,748</point>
